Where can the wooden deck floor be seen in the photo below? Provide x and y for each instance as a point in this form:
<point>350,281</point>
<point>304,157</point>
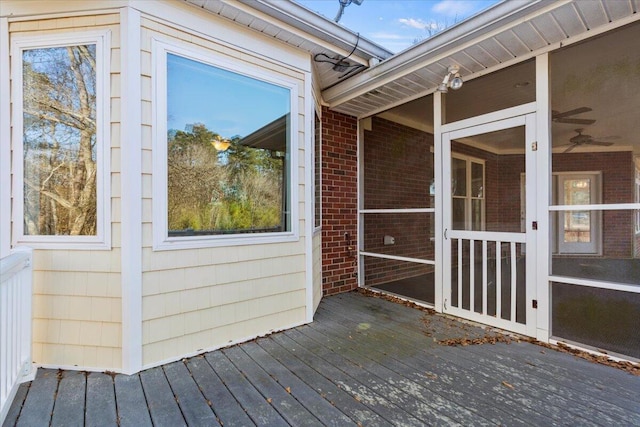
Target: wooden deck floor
<point>363,361</point>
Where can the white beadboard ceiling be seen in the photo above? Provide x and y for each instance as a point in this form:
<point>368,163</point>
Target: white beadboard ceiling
<point>508,33</point>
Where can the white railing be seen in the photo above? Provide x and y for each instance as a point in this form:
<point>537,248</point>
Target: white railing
<point>16,278</point>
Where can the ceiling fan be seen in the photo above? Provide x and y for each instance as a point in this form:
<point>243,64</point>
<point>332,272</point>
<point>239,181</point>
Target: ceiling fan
<point>583,139</point>
<point>565,117</point>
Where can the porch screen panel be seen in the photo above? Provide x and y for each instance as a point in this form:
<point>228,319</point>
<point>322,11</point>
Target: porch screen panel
<point>397,166</point>
<point>607,238</point>
<point>397,202</point>
<point>595,200</point>
<point>409,235</point>
<point>600,318</point>
<point>407,279</point>
<point>516,83</point>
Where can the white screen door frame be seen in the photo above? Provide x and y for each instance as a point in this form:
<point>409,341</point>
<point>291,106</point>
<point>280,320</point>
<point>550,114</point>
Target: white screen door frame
<point>506,246</point>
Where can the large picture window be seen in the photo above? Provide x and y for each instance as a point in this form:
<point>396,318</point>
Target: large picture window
<point>63,161</point>
<point>227,150</point>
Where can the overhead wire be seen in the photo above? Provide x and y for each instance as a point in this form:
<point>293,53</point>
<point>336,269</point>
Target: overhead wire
<point>340,64</point>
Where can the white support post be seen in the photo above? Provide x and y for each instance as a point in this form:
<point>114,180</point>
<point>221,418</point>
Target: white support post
<point>309,219</point>
<point>131,191</point>
<point>5,141</point>
<point>543,171</point>
<point>438,106</point>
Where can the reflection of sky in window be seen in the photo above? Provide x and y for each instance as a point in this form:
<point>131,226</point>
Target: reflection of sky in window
<point>226,103</point>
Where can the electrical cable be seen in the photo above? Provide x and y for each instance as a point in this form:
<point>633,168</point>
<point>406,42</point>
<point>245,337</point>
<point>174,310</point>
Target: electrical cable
<point>340,64</point>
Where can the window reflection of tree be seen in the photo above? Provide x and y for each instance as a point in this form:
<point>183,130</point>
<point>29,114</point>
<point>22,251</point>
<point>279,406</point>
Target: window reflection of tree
<point>213,192</point>
<point>59,115</point>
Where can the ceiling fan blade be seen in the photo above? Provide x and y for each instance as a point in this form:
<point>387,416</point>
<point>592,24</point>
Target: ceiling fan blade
<point>574,121</point>
<point>610,138</point>
<point>573,112</point>
<point>571,147</point>
<point>604,144</point>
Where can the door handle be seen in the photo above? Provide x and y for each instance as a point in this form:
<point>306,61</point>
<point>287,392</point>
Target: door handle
<point>445,234</point>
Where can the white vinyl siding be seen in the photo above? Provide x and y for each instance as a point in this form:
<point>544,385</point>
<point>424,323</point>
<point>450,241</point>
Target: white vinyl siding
<point>77,284</point>
<point>205,295</point>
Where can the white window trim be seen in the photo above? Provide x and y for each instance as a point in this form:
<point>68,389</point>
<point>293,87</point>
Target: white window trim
<point>468,198</point>
<point>102,239</point>
<point>160,47</point>
<point>561,248</point>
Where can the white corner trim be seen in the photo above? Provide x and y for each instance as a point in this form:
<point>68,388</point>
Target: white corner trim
<point>161,46</point>
<point>102,40</point>
<point>131,190</point>
<point>309,191</point>
<point>5,141</point>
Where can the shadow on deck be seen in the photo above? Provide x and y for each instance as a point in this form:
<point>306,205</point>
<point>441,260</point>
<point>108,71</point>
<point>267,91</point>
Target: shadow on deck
<point>363,361</point>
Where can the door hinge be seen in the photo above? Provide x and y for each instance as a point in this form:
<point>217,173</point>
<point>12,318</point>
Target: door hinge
<point>534,146</point>
<point>534,303</point>
<point>534,225</point>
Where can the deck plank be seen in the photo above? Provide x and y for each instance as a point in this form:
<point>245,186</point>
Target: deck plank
<point>285,353</point>
<point>441,376</point>
<point>194,406</point>
<point>101,400</point>
<point>227,409</point>
<point>256,405</point>
<point>70,400</point>
<point>350,377</point>
<point>556,405</point>
<point>131,402</point>
<point>422,401</point>
<point>578,403</point>
<point>326,413</point>
<point>528,400</point>
<point>38,405</point>
<point>16,406</point>
<point>161,402</point>
<point>277,395</point>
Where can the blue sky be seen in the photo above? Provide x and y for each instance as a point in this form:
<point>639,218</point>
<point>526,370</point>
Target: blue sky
<point>397,24</point>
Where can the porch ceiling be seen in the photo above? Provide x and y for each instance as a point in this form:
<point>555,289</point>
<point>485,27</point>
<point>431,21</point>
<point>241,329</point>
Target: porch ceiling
<point>508,33</point>
<point>295,25</point>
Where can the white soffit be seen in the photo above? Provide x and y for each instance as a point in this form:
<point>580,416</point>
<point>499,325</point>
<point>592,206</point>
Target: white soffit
<point>292,23</point>
<point>507,33</point>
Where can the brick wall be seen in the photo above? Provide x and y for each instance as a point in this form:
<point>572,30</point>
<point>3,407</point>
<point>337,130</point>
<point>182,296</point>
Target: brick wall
<point>339,202</point>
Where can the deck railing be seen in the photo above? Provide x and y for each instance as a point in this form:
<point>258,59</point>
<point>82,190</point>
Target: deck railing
<point>15,324</point>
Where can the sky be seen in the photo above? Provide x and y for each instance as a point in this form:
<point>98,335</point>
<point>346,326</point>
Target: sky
<point>398,24</point>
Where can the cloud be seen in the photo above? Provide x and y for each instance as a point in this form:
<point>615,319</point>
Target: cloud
<point>418,24</point>
<point>414,23</point>
<point>454,8</point>
<point>387,36</point>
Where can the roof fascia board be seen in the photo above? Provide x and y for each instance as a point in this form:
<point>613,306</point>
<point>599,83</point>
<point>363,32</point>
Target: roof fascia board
<point>313,24</point>
<point>487,24</point>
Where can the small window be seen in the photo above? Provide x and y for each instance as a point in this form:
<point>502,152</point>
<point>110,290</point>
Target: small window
<point>62,171</point>
<point>467,192</point>
<point>579,231</point>
<point>224,160</point>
